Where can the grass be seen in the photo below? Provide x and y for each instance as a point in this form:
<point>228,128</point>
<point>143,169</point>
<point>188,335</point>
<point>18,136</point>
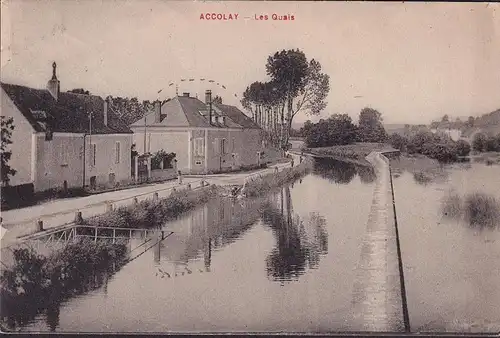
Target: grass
<point>151,213</point>
<point>476,209</point>
<point>259,185</point>
<point>36,283</point>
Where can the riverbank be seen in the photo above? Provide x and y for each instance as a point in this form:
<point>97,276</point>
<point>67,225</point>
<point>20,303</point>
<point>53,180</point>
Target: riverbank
<point>39,283</point>
<point>423,168</point>
<point>352,153</point>
<point>490,158</point>
<point>258,185</point>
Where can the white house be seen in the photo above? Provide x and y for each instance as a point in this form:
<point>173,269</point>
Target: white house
<point>53,130</point>
<point>205,137</point>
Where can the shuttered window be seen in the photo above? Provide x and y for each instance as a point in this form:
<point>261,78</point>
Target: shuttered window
<point>117,152</point>
<point>199,147</point>
<point>94,154</point>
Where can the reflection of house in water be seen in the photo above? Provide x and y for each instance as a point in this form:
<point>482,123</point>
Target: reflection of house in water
<point>214,225</point>
<point>300,242</point>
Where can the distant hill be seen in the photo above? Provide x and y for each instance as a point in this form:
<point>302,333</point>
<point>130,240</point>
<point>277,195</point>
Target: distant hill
<point>492,118</point>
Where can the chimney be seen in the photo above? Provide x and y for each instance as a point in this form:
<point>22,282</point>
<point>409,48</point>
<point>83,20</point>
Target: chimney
<point>208,101</point>
<point>157,111</point>
<point>105,111</point>
<point>208,96</point>
<point>53,86</point>
<point>185,94</point>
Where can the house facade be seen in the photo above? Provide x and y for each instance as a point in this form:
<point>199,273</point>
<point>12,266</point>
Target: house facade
<point>205,137</point>
<point>64,140</point>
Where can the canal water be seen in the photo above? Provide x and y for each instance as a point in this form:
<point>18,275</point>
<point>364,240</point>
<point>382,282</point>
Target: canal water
<point>286,262</point>
<point>451,269</point>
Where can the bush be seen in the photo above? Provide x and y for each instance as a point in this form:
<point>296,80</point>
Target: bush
<point>477,209</point>
<point>150,214</point>
<point>481,210</point>
<point>36,282</point>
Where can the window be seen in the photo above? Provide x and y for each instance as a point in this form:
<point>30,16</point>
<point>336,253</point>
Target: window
<point>223,148</point>
<point>64,154</point>
<point>93,154</point>
<point>199,149</point>
<point>117,152</point>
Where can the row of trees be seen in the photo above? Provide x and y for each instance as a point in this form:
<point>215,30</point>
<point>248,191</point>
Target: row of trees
<point>339,129</point>
<point>482,143</point>
<point>439,147</point>
<point>296,85</point>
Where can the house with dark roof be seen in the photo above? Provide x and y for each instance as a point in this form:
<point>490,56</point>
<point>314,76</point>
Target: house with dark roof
<point>205,136</point>
<point>64,140</point>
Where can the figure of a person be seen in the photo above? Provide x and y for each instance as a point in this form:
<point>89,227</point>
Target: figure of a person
<point>179,177</point>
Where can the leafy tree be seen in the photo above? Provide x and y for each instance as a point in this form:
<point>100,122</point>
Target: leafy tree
<point>445,118</point>
<point>470,121</point>
<point>162,156</point>
<point>299,84</point>
<point>338,129</point>
<point>7,127</point>
<point>370,126</point>
<point>217,99</point>
<point>398,141</point>
<point>463,148</point>
<point>492,144</point>
<point>79,91</point>
<point>479,142</point>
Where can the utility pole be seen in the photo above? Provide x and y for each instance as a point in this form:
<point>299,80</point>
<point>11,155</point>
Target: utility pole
<point>145,129</point>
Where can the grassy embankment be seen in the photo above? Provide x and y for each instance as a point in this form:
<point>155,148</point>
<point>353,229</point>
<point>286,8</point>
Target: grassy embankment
<point>423,168</point>
<point>259,185</point>
<point>354,153</point>
<point>489,158</point>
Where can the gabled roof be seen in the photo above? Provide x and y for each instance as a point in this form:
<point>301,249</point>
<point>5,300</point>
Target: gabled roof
<point>183,111</point>
<point>67,114</point>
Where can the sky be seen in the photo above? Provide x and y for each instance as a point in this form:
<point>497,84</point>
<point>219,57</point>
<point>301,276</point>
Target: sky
<point>413,62</point>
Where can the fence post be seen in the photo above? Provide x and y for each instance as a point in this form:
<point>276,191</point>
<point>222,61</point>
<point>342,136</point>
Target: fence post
<point>114,236</point>
<point>78,218</point>
<point>155,196</point>
<point>136,168</point>
<point>95,236</point>
<point>109,206</point>
<point>39,225</point>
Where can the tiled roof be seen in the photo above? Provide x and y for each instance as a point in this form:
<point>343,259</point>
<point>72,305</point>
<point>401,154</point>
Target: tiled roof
<point>67,114</point>
<point>183,111</point>
<point>238,116</point>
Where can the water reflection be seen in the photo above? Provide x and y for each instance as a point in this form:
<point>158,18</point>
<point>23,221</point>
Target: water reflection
<point>336,171</point>
<point>210,227</point>
<point>295,249</point>
<point>342,172</point>
<point>23,308</point>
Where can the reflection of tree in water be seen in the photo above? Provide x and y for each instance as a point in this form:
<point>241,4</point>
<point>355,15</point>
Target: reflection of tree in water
<point>295,249</point>
<point>337,171</point>
<point>21,309</point>
<point>366,174</point>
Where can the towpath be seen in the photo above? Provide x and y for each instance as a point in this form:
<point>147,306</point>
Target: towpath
<point>378,291</point>
<point>20,222</point>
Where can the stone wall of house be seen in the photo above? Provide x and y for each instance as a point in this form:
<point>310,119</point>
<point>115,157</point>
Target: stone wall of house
<point>21,157</point>
<point>172,141</point>
<point>109,167</point>
<point>58,160</point>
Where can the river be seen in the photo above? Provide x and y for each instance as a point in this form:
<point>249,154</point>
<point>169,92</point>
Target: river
<point>286,261</point>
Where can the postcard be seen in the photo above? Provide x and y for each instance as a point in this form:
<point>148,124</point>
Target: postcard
<point>250,167</point>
